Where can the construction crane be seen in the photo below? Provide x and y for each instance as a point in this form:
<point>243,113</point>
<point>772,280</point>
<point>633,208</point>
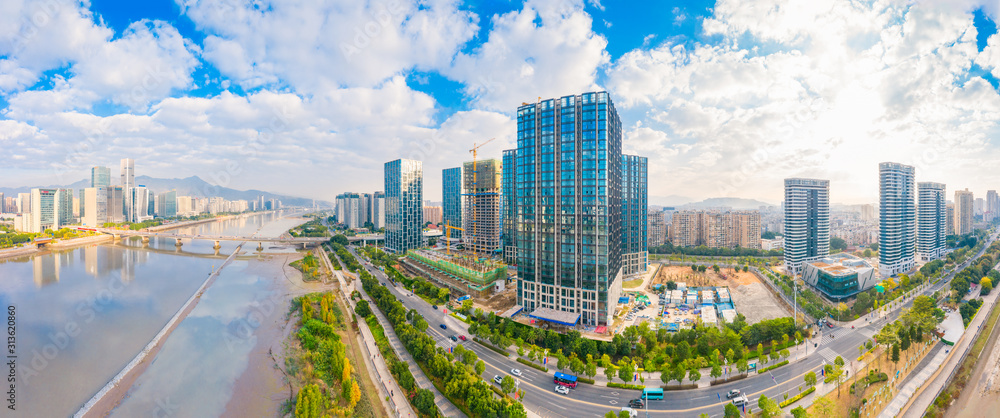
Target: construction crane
<point>447,235</point>
<point>475,188</point>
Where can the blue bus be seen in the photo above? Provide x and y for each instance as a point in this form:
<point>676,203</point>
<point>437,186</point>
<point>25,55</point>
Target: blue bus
<point>567,380</point>
<point>652,394</point>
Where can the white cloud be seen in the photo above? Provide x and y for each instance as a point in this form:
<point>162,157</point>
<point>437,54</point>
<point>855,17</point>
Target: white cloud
<point>523,60</point>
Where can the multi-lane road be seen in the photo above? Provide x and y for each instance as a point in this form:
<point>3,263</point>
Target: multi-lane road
<point>589,400</point>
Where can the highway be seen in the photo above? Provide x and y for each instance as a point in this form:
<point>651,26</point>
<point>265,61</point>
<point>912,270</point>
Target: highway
<point>590,400</point>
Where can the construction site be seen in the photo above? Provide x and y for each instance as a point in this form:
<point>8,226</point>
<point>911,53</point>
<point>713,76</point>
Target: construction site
<point>464,275</point>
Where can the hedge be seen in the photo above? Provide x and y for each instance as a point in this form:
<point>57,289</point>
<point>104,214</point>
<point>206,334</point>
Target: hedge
<point>585,380</point>
<point>625,386</point>
<point>775,366</point>
<point>797,397</point>
<point>491,346</point>
<point>681,387</point>
<point>532,365</point>
<point>729,379</point>
<point>830,378</point>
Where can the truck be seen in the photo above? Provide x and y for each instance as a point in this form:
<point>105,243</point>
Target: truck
<point>463,298</point>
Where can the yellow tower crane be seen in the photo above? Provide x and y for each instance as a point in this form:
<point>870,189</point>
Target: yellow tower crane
<point>447,234</point>
<point>475,187</point>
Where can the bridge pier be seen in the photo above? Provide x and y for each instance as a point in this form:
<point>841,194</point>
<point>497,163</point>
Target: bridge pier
<point>178,243</point>
<point>116,237</point>
<point>260,246</point>
<point>145,240</point>
<point>217,246</point>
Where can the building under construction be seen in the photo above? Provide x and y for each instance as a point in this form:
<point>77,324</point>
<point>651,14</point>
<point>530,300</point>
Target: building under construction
<point>462,274</point>
<point>481,220</point>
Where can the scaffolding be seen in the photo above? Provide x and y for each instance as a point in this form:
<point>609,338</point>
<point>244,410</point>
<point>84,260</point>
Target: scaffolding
<point>478,273</point>
<point>482,218</point>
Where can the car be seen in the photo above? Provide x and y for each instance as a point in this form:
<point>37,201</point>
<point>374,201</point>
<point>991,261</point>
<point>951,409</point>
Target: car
<point>733,393</point>
<point>434,306</point>
<point>443,326</point>
<point>631,412</point>
<point>462,337</point>
<point>740,400</point>
<point>562,389</point>
<point>454,338</point>
<point>515,372</point>
<point>829,324</point>
<point>497,379</point>
<point>635,403</point>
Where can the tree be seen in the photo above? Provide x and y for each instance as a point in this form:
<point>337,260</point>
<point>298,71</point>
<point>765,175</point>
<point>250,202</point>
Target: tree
<point>716,371</point>
<point>678,373</point>
<point>694,375</point>
<point>611,414</point>
<point>799,411</point>
<point>895,353</point>
<point>810,378</point>
<point>785,353</point>
<point>355,393</point>
<point>742,365</point>
<point>987,285</point>
<point>590,369</point>
<point>837,244</point>
<point>362,309</point>
<point>823,406</point>
<point>424,401</point>
<point>507,384</point>
<point>731,411</point>
<point>309,402</point>
<point>339,239</point>
<point>626,369</point>
<point>347,371</point>
<point>768,408</point>
<point>610,372</point>
<point>839,361</point>
<point>480,367</point>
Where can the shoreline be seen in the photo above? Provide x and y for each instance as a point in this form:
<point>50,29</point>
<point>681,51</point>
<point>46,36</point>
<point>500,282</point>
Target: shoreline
<point>61,245</point>
<point>106,399</point>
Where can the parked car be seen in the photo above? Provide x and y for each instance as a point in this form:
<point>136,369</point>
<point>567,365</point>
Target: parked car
<point>562,389</point>
<point>631,412</point>
<point>454,338</point>
<point>635,403</point>
<point>515,372</point>
<point>733,393</point>
<point>443,326</point>
<point>497,379</point>
<point>461,337</point>
<point>829,324</point>
<point>434,306</point>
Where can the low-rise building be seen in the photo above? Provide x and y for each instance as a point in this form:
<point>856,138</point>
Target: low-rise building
<point>841,275</point>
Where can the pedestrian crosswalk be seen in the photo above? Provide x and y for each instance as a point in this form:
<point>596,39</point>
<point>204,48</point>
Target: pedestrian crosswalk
<point>828,354</point>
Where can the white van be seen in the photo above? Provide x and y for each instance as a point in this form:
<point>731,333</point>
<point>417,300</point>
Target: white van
<point>631,412</point>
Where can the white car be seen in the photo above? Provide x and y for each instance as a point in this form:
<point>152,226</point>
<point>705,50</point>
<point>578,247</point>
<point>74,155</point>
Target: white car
<point>515,372</point>
<point>562,389</point>
<point>631,412</point>
<point>497,379</point>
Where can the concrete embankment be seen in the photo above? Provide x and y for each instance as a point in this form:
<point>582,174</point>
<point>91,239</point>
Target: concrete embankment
<point>114,391</point>
<point>59,245</point>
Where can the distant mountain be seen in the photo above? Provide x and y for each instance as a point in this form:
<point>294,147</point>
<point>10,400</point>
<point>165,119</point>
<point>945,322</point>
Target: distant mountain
<point>191,186</point>
<point>669,201</point>
<point>731,202</point>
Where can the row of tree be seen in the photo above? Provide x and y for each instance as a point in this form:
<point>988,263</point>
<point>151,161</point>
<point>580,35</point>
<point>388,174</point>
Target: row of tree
<point>330,386</point>
<point>669,248</point>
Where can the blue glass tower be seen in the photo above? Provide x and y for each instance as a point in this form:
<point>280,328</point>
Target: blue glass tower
<point>509,207</point>
<point>451,199</point>
<point>404,198</point>
<point>635,253</point>
<point>569,207</point>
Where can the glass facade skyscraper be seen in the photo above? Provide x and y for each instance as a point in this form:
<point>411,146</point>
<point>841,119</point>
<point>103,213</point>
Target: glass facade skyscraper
<point>897,219</point>
<point>931,211</point>
<point>569,206</point>
<point>508,207</point>
<point>100,177</point>
<point>404,198</point>
<point>635,254</point>
<point>451,199</point>
<point>807,222</point>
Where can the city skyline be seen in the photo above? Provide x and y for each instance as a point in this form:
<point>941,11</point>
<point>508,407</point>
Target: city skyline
<point>226,106</point>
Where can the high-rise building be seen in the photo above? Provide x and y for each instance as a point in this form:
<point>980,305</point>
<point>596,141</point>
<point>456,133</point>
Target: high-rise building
<point>127,173</point>
<point>897,219</point>
<point>635,251</point>
<point>24,203</point>
<point>481,220</point>
<point>656,229</point>
<point>949,225</point>
<point>432,214</point>
<point>931,223</point>
<point>867,213</point>
<point>139,211</point>
<point>100,177</point>
<point>963,211</point>
<point>167,204</point>
<point>404,196</point>
<point>509,206</point>
<point>807,222</point>
<point>376,210</point>
<point>51,209</point>
<point>95,206</point>
<point>992,205</point>
<point>685,228</point>
<point>352,209</point>
<point>451,198</point>
<point>569,193</point>
<point>116,204</point>
<point>716,229</point>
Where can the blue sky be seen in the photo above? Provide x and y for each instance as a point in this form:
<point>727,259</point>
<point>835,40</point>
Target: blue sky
<point>311,97</point>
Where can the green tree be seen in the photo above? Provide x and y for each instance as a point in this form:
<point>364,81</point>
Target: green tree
<point>839,361</point>
<point>507,384</point>
<point>716,371</point>
<point>810,378</point>
<point>339,239</point>
<point>424,401</point>
<point>611,414</point>
<point>895,353</point>
<point>480,368</point>
<point>678,373</point>
<point>610,372</point>
<point>362,309</point>
<point>694,375</point>
<point>731,411</point>
<point>768,407</point>
<point>626,370</point>
<point>799,411</point>
<point>590,369</point>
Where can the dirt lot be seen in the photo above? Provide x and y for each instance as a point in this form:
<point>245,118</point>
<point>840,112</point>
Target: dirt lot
<point>751,297</point>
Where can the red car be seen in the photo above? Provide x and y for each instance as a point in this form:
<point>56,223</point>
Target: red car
<point>461,337</point>
<point>829,324</point>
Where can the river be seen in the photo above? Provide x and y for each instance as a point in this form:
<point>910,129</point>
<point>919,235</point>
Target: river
<point>84,313</point>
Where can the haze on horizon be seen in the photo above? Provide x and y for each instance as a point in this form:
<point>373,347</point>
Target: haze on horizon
<point>725,100</point>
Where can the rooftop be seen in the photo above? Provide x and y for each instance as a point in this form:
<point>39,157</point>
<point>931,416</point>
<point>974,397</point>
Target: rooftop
<point>840,264</point>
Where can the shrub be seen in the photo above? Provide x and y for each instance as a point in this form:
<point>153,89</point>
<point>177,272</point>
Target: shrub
<point>625,386</point>
<point>795,398</point>
<point>535,366</point>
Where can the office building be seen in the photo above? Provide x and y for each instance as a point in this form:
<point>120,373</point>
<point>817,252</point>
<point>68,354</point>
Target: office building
<point>569,194</point>
<point>807,222</point>
<point>963,211</point>
<point>95,206</point>
<point>139,210</point>
<point>167,204</point>
<point>451,200</point>
<point>116,204</point>
<point>931,222</point>
<point>50,209</point>
<point>376,210</point>
<point>716,229</point>
<point>100,177</point>
<point>992,205</point>
<point>481,220</point>
<point>635,253</point>
<point>897,219</point>
<point>404,195</point>
<point>127,173</point>
<point>24,203</point>
<point>840,275</point>
<point>509,206</point>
